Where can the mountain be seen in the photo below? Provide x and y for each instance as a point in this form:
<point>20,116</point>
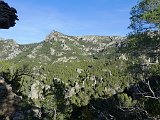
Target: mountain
<point>58,47</point>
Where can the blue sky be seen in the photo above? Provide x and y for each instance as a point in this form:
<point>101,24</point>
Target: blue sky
<point>72,17</point>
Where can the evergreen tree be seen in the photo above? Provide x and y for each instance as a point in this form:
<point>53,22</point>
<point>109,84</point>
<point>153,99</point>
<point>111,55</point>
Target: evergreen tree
<point>145,16</point>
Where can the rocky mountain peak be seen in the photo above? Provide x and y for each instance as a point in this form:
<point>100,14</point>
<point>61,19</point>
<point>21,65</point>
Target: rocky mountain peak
<point>7,40</point>
<point>54,36</point>
<point>9,49</point>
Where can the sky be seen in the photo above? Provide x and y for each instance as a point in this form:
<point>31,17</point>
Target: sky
<point>37,18</point>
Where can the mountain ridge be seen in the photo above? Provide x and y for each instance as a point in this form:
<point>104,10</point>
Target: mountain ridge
<point>59,47</point>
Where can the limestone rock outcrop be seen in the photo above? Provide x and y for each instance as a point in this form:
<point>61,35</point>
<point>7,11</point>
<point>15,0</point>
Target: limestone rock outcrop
<point>8,101</point>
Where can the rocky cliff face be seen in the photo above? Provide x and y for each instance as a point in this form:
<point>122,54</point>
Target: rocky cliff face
<point>9,49</point>
<point>9,102</point>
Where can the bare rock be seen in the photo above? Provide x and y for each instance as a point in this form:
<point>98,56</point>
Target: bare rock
<point>7,16</point>
<point>8,100</point>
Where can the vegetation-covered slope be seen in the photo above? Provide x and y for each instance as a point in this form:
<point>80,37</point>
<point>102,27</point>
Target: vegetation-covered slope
<point>59,48</point>
<point>55,86</point>
<point>87,77</point>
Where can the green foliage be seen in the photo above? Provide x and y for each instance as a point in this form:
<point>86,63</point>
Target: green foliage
<point>141,44</point>
<point>152,106</point>
<point>155,69</point>
<point>152,11</point>
<point>95,85</point>
<point>125,101</point>
<point>145,16</point>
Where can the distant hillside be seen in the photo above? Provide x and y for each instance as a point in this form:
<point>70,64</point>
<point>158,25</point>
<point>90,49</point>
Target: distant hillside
<point>58,47</point>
